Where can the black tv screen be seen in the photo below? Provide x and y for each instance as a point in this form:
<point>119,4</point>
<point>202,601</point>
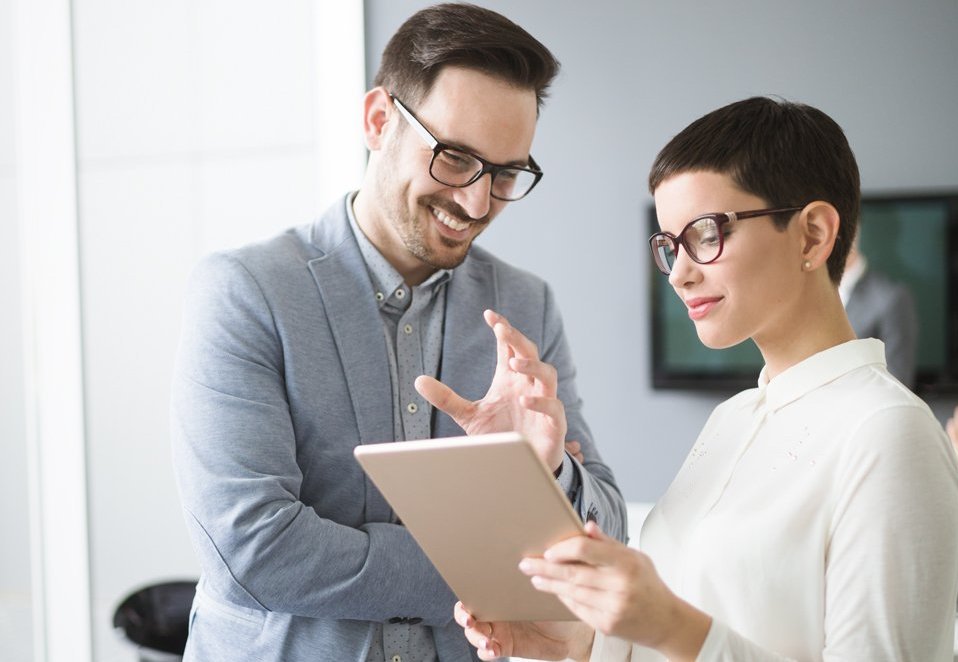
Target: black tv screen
<point>911,238</point>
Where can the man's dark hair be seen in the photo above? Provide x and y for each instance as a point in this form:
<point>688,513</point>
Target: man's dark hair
<point>467,36</point>
<point>787,153</point>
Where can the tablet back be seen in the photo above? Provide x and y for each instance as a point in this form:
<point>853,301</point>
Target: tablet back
<point>477,505</point>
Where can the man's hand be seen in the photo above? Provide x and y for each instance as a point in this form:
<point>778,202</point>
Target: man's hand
<point>521,398</point>
<point>574,448</point>
<point>538,640</point>
<point>951,427</point>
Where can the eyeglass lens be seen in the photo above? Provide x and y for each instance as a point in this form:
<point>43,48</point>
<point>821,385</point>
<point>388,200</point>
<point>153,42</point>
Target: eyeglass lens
<point>455,168</point>
<point>702,238</point>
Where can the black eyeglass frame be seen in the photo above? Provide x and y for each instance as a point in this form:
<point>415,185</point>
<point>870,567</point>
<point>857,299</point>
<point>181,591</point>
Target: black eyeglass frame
<point>720,219</point>
<point>438,146</point>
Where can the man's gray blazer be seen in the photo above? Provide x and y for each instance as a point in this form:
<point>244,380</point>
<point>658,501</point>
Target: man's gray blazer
<point>881,308</point>
<point>282,370</point>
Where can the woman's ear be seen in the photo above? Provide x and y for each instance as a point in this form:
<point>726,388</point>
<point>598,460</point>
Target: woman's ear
<point>818,222</point>
<point>376,114</point>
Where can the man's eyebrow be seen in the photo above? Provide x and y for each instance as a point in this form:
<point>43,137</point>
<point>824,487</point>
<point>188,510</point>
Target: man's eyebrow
<point>520,163</point>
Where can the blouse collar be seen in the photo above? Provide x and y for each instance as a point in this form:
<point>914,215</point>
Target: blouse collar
<point>819,369</point>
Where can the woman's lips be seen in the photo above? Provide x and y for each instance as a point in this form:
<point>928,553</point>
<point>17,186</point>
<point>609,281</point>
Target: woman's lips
<point>699,307</point>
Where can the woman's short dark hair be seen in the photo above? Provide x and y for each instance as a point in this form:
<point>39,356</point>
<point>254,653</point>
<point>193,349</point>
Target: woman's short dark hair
<point>787,153</point>
<point>468,36</point>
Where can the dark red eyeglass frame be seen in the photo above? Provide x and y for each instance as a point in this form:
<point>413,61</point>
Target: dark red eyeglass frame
<point>720,219</point>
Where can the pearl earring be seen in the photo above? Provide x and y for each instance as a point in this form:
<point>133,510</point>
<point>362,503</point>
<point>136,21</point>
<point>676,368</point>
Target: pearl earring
<point>806,265</point>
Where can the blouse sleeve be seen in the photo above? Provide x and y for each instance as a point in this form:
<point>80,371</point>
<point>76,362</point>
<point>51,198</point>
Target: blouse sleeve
<point>726,645</point>
<point>891,573</point>
<point>721,645</point>
<point>610,649</point>
<point>892,559</point>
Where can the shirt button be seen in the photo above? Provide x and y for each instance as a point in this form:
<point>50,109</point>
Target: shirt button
<point>380,296</point>
<point>400,293</point>
<point>407,329</point>
<point>397,658</point>
<point>412,407</point>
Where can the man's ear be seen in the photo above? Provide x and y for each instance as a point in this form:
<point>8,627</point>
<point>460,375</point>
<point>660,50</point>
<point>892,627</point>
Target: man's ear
<point>819,222</point>
<point>377,106</point>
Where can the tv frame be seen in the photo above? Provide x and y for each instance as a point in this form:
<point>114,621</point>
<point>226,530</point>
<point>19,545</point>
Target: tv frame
<point>731,379</point>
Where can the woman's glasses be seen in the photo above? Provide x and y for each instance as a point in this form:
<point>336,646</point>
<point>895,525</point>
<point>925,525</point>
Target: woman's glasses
<point>702,238</point>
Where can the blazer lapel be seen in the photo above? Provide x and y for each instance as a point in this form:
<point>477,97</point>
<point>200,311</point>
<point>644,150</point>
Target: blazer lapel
<point>357,329</point>
<point>468,344</point>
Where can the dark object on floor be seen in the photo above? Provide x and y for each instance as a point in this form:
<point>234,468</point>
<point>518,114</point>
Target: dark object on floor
<point>156,620</point>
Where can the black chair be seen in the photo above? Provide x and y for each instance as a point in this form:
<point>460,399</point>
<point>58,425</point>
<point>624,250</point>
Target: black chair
<point>155,619</point>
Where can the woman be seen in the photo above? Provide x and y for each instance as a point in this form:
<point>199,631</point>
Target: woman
<point>816,516</point>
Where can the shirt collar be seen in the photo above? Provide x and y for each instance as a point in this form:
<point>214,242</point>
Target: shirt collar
<point>385,277</point>
<point>819,369</point>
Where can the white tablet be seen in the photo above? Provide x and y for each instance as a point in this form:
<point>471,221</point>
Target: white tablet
<point>477,506</point>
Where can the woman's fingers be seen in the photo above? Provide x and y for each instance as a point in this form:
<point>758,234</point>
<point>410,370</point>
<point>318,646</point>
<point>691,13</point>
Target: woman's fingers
<point>595,532</point>
<point>572,574</point>
<point>583,595</point>
<point>594,548</point>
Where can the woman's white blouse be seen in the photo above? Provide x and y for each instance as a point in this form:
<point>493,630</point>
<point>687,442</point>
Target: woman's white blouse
<point>816,518</point>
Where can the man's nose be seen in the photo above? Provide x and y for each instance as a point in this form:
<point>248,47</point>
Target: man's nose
<point>475,198</point>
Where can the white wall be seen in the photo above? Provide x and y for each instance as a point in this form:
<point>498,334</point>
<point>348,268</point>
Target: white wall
<point>196,132</point>
<point>634,74</point>
<point>16,621</point>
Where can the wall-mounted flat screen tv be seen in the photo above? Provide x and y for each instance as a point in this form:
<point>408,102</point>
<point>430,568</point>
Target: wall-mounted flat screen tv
<point>910,238</point>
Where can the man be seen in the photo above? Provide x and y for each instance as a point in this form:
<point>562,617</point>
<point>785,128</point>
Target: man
<point>299,348</point>
<point>878,307</point>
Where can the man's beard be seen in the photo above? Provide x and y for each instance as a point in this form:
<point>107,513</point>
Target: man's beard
<point>414,234</point>
<point>412,230</point>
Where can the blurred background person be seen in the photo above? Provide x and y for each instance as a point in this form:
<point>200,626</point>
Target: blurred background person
<point>951,427</point>
<point>881,308</point>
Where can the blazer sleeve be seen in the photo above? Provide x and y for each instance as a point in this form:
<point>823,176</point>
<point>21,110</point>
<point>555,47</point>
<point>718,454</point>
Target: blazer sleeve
<point>235,460</point>
<point>598,497</point>
<point>898,329</point>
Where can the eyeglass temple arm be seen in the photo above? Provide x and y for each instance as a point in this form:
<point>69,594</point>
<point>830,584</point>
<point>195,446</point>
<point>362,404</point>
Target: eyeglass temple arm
<point>414,123</point>
<point>732,216</point>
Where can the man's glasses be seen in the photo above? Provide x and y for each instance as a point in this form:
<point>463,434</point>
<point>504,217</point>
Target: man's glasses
<point>456,167</point>
<point>702,238</point>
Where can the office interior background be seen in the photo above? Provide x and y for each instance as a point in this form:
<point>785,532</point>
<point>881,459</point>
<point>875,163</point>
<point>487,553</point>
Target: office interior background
<point>136,136</point>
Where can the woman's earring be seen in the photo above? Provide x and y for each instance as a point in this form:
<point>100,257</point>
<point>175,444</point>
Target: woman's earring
<point>806,265</point>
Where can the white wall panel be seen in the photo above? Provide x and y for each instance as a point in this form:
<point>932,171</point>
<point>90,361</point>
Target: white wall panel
<point>196,134</point>
<point>249,199</point>
<point>137,80</point>
<point>138,248</point>
<point>254,74</point>
<point>7,140</point>
<point>16,602</point>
